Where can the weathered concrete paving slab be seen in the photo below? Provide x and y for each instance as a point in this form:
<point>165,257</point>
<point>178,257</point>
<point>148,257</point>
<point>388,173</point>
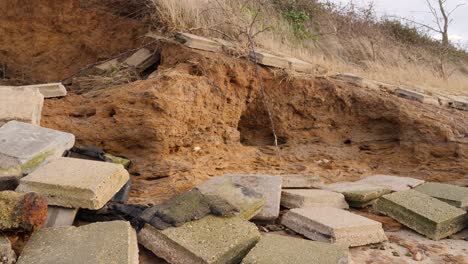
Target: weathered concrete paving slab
<point>106,242</point>
<point>297,198</point>
<point>22,211</point>
<point>301,181</point>
<point>395,183</point>
<point>334,225</point>
<point>60,216</point>
<point>358,194</point>
<point>20,104</point>
<point>460,103</point>
<point>76,183</point>
<point>48,90</point>
<point>268,186</point>
<point>209,240</point>
<point>7,255</point>
<point>300,65</point>
<point>23,147</point>
<point>422,213</point>
<point>142,59</point>
<point>267,59</point>
<point>277,249</point>
<point>452,194</point>
<point>410,94</point>
<point>197,42</point>
<point>349,77</point>
<point>247,201</point>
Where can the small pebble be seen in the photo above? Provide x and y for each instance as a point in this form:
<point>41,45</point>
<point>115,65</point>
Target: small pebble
<point>417,256</point>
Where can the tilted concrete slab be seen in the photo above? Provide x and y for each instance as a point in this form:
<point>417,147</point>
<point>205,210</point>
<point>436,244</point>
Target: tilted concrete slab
<point>297,198</point>
<point>268,186</point>
<point>395,183</point>
<point>268,59</point>
<point>197,42</point>
<point>209,240</point>
<point>20,104</point>
<point>48,90</point>
<point>301,181</point>
<point>60,216</point>
<point>334,225</point>
<point>460,103</point>
<point>248,202</point>
<point>349,77</point>
<point>409,94</point>
<point>106,242</point>
<point>423,213</point>
<point>300,65</point>
<point>23,147</point>
<point>451,194</point>
<point>358,194</point>
<point>277,249</point>
<point>76,183</point>
<point>142,59</point>
<point>7,255</point>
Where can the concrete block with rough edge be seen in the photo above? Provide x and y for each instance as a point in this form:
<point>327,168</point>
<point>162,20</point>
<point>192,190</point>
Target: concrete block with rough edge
<point>395,183</point>
<point>24,212</point>
<point>460,103</point>
<point>76,183</point>
<point>297,198</point>
<point>197,42</point>
<point>23,147</point>
<point>358,194</point>
<point>350,78</point>
<point>106,242</point>
<point>451,194</point>
<point>60,216</point>
<point>410,94</point>
<point>277,249</point>
<point>20,104</point>
<point>7,255</point>
<point>301,181</point>
<point>267,59</point>
<point>209,240</point>
<point>267,185</point>
<point>334,225</point>
<point>142,59</point>
<point>48,90</point>
<point>247,201</point>
<point>423,213</point>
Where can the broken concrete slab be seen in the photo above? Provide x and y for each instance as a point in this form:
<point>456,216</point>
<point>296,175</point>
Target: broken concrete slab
<point>335,226</point>
<point>106,242</point>
<point>358,194</point>
<point>348,77</point>
<point>395,183</point>
<point>248,202</point>
<point>197,42</point>
<point>451,194</point>
<point>60,216</point>
<point>7,255</point>
<point>20,104</point>
<point>209,240</point>
<point>267,59</point>
<point>410,94</point>
<point>142,59</point>
<point>25,212</point>
<point>76,183</point>
<point>49,90</point>
<point>278,249</point>
<point>297,198</point>
<point>268,186</point>
<point>460,103</point>
<point>301,181</point>
<point>23,147</point>
<point>423,213</point>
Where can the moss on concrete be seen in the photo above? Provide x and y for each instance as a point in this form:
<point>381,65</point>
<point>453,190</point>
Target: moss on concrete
<point>36,161</point>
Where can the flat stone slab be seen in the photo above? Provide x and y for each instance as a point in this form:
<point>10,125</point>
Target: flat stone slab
<point>358,194</point>
<point>247,201</point>
<point>48,90</point>
<point>334,225</point>
<point>23,147</point>
<point>197,42</point>
<point>7,255</point>
<point>277,249</point>
<point>24,212</point>
<point>60,216</point>
<point>142,59</point>
<point>452,194</point>
<point>209,240</point>
<point>106,242</point>
<point>395,183</point>
<point>460,103</point>
<point>416,96</point>
<point>20,104</point>
<point>76,183</point>
<point>297,198</point>
<point>301,181</point>
<point>268,186</point>
<point>348,77</point>
<point>267,59</point>
<point>422,213</point>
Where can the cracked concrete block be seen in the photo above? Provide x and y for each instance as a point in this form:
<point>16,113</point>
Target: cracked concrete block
<point>197,42</point>
<point>460,103</point>
<point>142,59</point>
<point>395,183</point>
<point>334,225</point>
<point>60,216</point>
<point>7,255</point>
<point>350,78</point>
<point>20,104</point>
<point>277,249</point>
<point>358,194</point>
<point>25,212</point>
<point>209,240</point>
<point>76,183</point>
<point>297,198</point>
<point>409,94</point>
<point>268,186</point>
<point>451,194</point>
<point>105,242</point>
<point>423,213</point>
<point>301,181</point>
<point>267,59</point>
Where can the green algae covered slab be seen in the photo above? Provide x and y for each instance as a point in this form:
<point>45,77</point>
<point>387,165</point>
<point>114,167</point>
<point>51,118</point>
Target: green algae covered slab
<point>358,194</point>
<point>423,213</point>
<point>452,194</point>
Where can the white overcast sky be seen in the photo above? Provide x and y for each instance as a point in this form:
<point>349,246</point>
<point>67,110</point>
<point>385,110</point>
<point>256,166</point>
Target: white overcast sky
<point>417,10</point>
